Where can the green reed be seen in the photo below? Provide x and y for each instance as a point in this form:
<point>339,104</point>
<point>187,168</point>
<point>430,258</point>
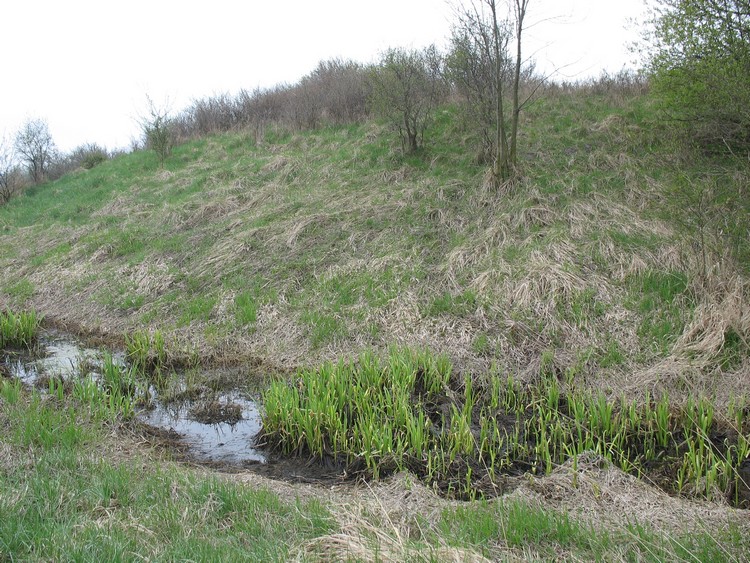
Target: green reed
<point>407,411</point>
<point>19,329</point>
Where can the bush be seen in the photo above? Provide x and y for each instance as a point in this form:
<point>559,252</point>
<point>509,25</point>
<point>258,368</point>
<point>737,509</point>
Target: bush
<point>698,59</point>
<point>406,87</point>
<point>335,92</point>
<point>90,156</point>
<point>157,131</point>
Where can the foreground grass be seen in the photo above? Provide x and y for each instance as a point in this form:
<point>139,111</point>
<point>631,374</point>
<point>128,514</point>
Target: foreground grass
<point>540,534</point>
<point>75,487</point>
<point>67,493</point>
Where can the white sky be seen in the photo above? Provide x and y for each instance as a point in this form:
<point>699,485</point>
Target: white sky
<point>87,65</point>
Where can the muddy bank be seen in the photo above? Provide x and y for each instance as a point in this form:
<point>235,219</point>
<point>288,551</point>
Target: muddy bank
<point>209,416</point>
<point>202,414</point>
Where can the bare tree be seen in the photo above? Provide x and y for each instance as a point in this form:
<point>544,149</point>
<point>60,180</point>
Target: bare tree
<point>10,180</point>
<point>490,74</point>
<point>36,147</point>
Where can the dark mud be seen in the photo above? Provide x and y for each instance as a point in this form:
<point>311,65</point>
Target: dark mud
<point>292,470</point>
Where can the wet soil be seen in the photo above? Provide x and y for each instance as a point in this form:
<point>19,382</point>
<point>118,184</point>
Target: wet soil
<point>205,423</point>
<point>212,423</point>
<point>292,470</point>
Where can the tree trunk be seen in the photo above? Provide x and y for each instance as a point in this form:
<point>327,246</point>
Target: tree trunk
<point>520,8</point>
<point>501,166</point>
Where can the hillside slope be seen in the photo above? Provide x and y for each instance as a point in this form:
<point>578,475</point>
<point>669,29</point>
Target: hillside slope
<point>299,247</point>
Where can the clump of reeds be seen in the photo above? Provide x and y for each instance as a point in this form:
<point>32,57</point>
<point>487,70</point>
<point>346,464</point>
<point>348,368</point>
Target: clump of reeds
<point>370,413</point>
<point>408,412</point>
<point>113,393</point>
<point>147,354</point>
<point>17,330</point>
<point>117,378</point>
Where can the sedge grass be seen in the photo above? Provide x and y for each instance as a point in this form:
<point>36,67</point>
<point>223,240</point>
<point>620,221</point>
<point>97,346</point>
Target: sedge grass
<point>19,329</point>
<point>379,416</point>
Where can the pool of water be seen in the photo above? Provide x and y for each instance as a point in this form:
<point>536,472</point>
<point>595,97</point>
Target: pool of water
<point>233,442</point>
<point>224,442</point>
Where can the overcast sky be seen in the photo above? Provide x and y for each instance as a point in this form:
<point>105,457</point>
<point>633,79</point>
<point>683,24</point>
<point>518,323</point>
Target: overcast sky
<point>86,66</point>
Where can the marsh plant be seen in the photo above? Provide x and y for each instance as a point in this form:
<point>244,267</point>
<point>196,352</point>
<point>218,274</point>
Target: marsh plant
<point>147,353</point>
<point>409,411</point>
<point>19,329</point>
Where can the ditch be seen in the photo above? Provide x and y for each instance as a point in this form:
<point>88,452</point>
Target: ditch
<point>373,417</point>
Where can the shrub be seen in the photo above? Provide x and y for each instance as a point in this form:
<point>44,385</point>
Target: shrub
<point>157,132</point>
<point>406,87</point>
<point>698,59</point>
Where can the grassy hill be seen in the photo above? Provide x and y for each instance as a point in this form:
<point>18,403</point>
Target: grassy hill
<point>617,263</point>
<point>302,246</point>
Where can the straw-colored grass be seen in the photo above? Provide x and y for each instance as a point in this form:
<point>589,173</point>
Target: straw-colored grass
<point>338,246</point>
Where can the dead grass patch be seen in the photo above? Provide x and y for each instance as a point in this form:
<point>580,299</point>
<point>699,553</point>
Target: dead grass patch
<point>215,412</point>
<point>152,278</point>
<point>594,491</point>
<point>549,276</point>
<point>359,540</point>
<point>283,166</point>
<point>206,212</point>
<point>695,364</point>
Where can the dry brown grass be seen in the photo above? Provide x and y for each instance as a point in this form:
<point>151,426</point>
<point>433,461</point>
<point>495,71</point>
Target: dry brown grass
<point>694,365</point>
<point>385,521</point>
<point>359,540</point>
<point>594,491</point>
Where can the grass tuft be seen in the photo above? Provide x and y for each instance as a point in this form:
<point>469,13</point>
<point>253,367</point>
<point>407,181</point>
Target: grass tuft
<point>407,412</point>
<point>19,330</point>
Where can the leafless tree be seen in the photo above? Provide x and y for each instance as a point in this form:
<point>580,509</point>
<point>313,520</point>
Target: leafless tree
<point>343,90</point>
<point>486,63</point>
<point>10,180</point>
<point>37,149</point>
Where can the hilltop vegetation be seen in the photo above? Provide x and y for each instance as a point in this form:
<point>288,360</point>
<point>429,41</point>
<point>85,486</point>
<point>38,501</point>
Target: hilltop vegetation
<point>618,252</point>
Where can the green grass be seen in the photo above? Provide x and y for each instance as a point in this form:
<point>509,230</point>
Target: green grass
<point>21,290</point>
<point>198,308</point>
<point>79,500</point>
<point>612,355</point>
<point>323,328</point>
<point>343,235</point>
<point>20,329</point>
<point>589,269</point>
<point>73,488</point>
<point>462,304</point>
<point>404,412</point>
<point>246,309</point>
<point>546,534</point>
<point>663,301</point>
<point>58,251</point>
